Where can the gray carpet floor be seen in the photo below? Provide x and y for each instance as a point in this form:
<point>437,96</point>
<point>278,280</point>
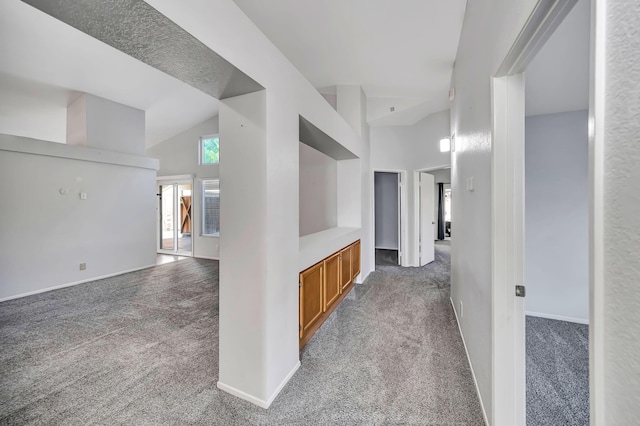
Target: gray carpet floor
<point>142,348</point>
<point>557,373</point>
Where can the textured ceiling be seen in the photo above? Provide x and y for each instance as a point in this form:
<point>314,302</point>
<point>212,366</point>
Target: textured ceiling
<point>137,29</point>
<point>400,52</point>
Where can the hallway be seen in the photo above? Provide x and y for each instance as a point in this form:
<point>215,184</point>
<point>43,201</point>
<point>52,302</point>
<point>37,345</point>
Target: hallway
<point>142,348</point>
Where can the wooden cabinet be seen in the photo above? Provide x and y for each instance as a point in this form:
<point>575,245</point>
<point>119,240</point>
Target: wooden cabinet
<point>323,286</point>
<point>311,289</point>
<point>345,268</point>
<point>332,288</point>
<point>355,259</point>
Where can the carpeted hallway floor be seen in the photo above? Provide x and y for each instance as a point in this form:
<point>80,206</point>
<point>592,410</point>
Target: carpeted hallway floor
<point>142,348</point>
<point>557,373</point>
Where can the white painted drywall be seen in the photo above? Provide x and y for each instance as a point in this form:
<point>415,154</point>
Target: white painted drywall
<point>617,313</point>
<point>179,156</point>
<point>99,123</point>
<point>488,33</point>
<point>47,230</point>
<point>318,191</point>
<point>411,148</point>
<point>265,301</point>
<point>557,215</point>
<point>386,210</point>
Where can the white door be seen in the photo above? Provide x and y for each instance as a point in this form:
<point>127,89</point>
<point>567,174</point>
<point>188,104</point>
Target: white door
<point>427,219</point>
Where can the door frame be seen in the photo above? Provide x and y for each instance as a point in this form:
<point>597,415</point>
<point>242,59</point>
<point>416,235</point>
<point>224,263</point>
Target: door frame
<point>507,109</point>
<point>403,216</point>
<point>174,180</point>
<point>416,208</point>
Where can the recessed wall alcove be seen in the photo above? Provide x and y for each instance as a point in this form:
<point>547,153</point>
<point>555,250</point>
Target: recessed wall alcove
<point>330,200</point>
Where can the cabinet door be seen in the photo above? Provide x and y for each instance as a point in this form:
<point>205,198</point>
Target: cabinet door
<point>345,267</point>
<point>331,280</point>
<point>355,259</point>
<point>310,297</point>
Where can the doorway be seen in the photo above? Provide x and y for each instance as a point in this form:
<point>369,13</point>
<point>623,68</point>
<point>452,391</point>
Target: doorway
<point>388,217</point>
<point>175,217</point>
<point>513,193</point>
<point>432,211</point>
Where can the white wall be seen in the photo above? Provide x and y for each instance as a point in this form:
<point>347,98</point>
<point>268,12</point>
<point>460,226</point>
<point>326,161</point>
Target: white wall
<point>411,148</point>
<point>386,210</point>
<point>616,312</point>
<point>179,156</point>
<point>47,230</point>
<point>318,191</point>
<point>265,304</point>
<point>100,123</point>
<point>557,215</point>
<point>488,32</point>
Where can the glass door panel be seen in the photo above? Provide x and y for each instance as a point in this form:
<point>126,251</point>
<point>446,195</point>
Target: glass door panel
<point>167,217</point>
<point>184,221</point>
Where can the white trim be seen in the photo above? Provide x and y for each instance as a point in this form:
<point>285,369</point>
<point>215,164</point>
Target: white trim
<point>57,287</point>
<point>73,152</point>
<point>473,374</point>
<point>207,257</point>
<point>257,401</point>
<point>387,248</point>
<point>175,178</point>
<point>557,317</point>
<point>508,353</point>
<point>283,383</point>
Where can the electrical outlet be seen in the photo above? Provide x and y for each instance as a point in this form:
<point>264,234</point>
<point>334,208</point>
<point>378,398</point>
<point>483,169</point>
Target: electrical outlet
<point>83,266</point>
<point>461,309</point>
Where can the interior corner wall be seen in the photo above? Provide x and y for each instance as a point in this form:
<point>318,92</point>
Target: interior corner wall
<point>485,40</point>
<point>411,148</point>
<point>179,156</point>
<point>48,231</point>
<point>318,191</point>
<point>557,215</point>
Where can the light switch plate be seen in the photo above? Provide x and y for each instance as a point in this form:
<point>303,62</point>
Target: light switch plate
<point>470,183</point>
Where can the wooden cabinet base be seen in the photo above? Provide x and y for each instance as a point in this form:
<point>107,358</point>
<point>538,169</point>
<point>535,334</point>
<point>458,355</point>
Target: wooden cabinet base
<point>312,330</point>
<point>323,286</point>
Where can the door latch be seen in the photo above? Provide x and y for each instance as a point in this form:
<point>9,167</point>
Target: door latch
<point>520,291</point>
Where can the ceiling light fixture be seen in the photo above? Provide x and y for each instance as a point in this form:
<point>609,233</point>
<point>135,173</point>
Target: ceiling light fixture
<point>445,145</point>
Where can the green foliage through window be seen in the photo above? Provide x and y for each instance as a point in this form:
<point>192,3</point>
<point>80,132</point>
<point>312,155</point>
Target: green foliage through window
<point>210,150</point>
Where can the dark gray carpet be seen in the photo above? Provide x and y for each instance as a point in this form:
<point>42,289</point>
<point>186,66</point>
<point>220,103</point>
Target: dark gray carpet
<point>557,373</point>
<point>386,257</point>
<point>142,348</point>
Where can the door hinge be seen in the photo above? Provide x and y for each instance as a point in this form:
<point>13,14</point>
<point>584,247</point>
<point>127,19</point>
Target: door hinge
<point>299,283</point>
<point>520,291</point>
<point>299,327</point>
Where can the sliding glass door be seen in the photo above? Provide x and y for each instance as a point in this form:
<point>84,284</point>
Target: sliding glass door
<point>175,224</point>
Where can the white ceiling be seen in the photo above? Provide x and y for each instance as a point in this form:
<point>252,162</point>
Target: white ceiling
<point>400,52</point>
<point>557,79</point>
<point>46,62</point>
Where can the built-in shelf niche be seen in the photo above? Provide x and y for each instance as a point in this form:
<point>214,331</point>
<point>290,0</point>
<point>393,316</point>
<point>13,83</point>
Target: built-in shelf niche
<point>330,194</point>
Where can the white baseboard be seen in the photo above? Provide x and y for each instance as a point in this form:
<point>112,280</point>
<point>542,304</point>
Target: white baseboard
<point>254,400</point>
<point>557,317</point>
<point>206,257</point>
<point>473,374</point>
<point>56,287</point>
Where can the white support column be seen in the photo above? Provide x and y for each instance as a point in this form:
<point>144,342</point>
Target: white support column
<point>258,247</point>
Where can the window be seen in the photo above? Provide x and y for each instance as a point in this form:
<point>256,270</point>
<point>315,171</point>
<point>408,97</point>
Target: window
<point>211,208</point>
<point>209,149</point>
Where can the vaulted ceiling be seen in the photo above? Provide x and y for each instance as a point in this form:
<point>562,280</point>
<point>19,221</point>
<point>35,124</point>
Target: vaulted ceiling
<point>401,52</point>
